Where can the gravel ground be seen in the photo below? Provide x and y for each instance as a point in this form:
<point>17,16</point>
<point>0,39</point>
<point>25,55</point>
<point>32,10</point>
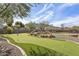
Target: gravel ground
<point>7,49</point>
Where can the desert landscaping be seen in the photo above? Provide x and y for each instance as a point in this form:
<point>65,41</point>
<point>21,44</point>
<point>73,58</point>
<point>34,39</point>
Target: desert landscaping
<point>48,32</point>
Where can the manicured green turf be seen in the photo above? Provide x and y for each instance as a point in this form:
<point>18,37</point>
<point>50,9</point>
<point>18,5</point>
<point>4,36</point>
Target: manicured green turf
<point>35,50</point>
<point>27,48</point>
<point>67,48</point>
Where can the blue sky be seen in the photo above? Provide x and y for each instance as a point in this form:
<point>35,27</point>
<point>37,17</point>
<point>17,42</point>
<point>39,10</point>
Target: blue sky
<point>55,13</point>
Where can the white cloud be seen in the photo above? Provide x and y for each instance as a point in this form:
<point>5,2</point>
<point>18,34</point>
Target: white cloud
<point>69,21</point>
<point>21,20</point>
<point>60,8</point>
<point>50,13</point>
<point>42,10</point>
<point>43,17</point>
<point>37,18</point>
<point>46,7</point>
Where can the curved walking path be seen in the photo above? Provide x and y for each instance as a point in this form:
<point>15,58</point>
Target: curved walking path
<point>22,51</point>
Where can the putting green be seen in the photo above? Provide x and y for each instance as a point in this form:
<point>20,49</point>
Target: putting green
<point>68,48</point>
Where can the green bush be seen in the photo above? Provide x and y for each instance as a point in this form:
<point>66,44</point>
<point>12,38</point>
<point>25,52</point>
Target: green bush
<point>9,30</point>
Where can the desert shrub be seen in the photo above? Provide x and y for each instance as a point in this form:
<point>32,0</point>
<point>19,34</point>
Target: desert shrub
<point>47,36</point>
<point>34,33</point>
<point>51,36</point>
<point>74,35</point>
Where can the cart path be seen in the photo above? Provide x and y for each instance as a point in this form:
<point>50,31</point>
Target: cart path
<point>67,38</point>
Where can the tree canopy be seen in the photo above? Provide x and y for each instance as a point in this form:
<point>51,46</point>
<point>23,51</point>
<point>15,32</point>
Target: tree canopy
<point>10,10</point>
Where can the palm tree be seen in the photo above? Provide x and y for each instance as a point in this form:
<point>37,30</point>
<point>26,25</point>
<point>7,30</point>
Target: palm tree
<point>11,10</point>
<point>9,22</point>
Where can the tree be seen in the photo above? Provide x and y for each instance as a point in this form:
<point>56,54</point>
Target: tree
<point>9,21</point>
<point>31,26</point>
<point>8,10</point>
<point>76,29</point>
<point>62,26</point>
<point>18,25</point>
<point>14,9</point>
<point>43,25</point>
<point>1,23</point>
<point>9,30</point>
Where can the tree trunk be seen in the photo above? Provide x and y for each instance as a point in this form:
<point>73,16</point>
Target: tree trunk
<point>17,32</point>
